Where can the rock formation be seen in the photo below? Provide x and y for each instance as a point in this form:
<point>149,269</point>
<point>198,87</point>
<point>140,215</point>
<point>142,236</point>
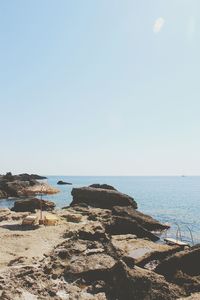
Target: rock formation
<point>107,252</point>
<point>32,204</point>
<point>23,185</point>
<point>60,182</point>
<point>102,198</point>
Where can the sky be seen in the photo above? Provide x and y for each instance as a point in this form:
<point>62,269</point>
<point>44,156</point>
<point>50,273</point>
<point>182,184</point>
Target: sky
<point>100,87</point>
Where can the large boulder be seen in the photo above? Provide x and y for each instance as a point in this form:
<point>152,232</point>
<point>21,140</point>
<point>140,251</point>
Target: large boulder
<point>140,284</point>
<point>102,198</point>
<point>122,225</point>
<point>144,220</point>
<point>183,269</point>
<point>33,204</point>
<point>186,261</point>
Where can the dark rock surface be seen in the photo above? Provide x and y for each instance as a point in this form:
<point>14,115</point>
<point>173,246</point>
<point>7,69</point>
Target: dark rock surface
<point>22,177</point>
<point>102,198</point>
<point>144,220</point>
<point>19,185</point>
<point>32,204</point>
<point>183,269</point>
<point>14,188</point>
<point>123,225</point>
<point>185,261</point>
<point>139,284</point>
<point>63,183</point>
<point>129,225</point>
<point>38,177</point>
<point>102,186</point>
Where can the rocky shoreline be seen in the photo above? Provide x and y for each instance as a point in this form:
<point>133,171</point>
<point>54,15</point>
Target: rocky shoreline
<point>23,185</point>
<point>102,248</point>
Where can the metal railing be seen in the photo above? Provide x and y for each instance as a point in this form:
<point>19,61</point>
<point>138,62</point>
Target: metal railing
<point>180,236</point>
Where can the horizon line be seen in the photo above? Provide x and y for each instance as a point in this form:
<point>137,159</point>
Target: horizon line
<point>165,175</point>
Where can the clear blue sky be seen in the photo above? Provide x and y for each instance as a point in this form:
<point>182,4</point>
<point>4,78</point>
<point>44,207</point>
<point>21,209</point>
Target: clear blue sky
<point>100,87</point>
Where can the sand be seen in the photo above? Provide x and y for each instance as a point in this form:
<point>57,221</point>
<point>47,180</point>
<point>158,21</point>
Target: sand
<point>29,244</point>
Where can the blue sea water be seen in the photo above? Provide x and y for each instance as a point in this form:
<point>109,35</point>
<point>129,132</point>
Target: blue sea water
<point>170,199</point>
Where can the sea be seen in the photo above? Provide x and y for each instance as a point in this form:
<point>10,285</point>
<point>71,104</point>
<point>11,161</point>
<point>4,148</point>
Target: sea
<point>170,199</point>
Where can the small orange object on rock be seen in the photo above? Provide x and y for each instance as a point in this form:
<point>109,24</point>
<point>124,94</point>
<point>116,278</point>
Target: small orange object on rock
<point>50,220</point>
